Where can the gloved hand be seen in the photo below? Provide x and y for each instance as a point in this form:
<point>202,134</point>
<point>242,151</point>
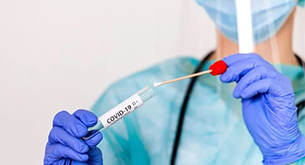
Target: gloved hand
<point>268,105</point>
<point>66,146</point>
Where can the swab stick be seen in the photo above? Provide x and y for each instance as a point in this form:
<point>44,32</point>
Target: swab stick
<point>215,69</point>
<point>157,84</point>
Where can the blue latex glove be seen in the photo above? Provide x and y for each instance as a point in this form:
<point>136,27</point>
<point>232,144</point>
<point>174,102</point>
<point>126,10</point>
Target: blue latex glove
<point>66,146</point>
<point>268,105</point>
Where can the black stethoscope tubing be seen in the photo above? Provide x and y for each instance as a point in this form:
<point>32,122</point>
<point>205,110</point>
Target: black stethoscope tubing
<point>190,88</point>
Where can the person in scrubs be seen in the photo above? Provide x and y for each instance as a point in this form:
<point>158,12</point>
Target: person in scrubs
<point>251,114</point>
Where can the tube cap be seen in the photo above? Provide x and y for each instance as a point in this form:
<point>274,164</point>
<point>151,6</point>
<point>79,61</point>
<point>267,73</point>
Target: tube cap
<point>218,68</point>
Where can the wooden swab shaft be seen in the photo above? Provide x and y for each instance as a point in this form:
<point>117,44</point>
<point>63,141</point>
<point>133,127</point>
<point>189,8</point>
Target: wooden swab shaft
<point>188,76</point>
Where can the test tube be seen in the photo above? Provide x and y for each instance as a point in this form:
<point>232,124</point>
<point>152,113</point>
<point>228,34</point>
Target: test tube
<point>120,111</point>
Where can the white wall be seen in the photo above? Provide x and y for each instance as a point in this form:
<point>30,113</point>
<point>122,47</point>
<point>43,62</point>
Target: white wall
<point>61,54</point>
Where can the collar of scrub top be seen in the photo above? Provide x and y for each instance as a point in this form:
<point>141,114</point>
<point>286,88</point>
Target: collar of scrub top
<point>301,3</point>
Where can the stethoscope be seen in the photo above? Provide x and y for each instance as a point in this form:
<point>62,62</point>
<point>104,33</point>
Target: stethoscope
<point>190,88</point>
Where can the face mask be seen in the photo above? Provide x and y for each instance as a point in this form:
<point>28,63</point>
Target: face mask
<point>268,16</point>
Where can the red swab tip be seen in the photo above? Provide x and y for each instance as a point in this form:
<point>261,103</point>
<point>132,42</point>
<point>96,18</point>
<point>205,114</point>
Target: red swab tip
<point>218,68</point>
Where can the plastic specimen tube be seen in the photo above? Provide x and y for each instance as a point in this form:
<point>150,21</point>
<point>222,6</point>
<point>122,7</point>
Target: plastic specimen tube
<point>120,111</point>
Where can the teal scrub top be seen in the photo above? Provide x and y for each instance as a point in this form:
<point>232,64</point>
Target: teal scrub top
<point>213,131</point>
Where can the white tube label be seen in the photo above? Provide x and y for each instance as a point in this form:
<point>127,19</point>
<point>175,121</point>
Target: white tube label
<point>121,110</point>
